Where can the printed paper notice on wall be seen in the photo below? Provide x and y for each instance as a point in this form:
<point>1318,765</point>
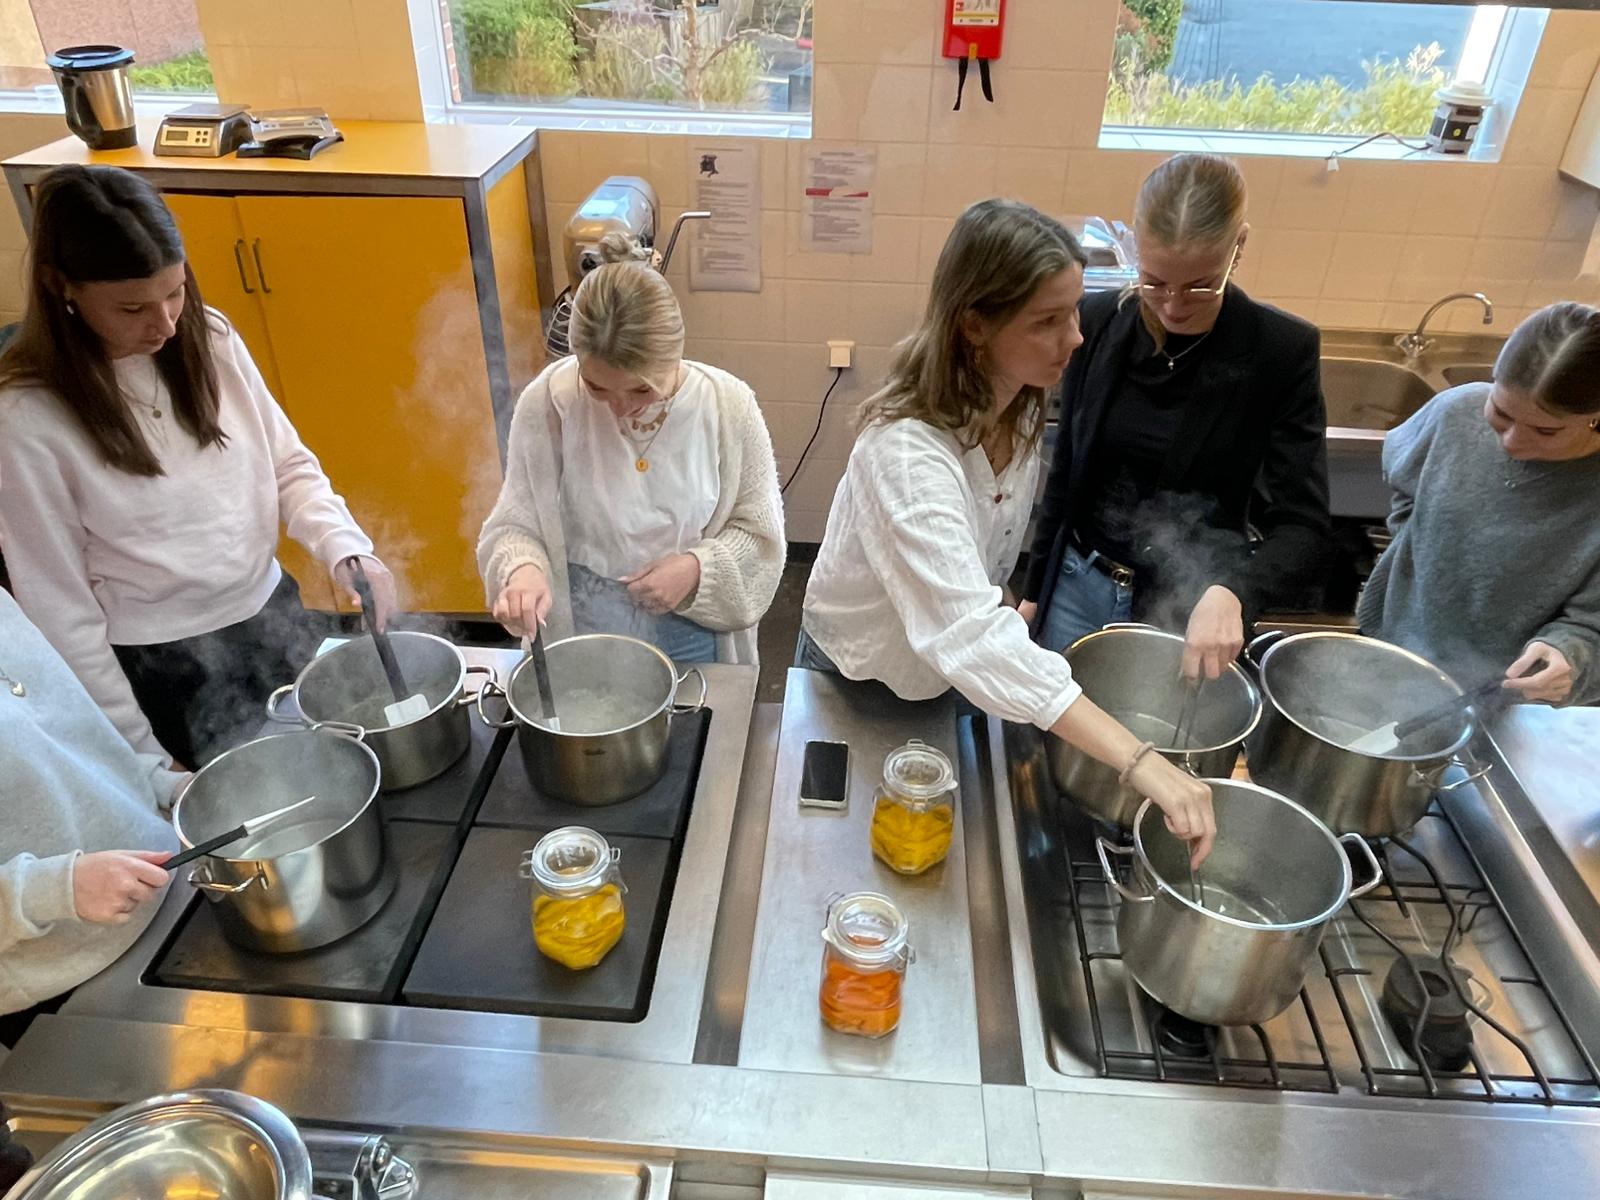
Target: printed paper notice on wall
<point>725,252</point>
<point>837,218</point>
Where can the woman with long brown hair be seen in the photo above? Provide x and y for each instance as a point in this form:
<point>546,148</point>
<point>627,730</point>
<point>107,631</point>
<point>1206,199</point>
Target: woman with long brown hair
<point>1189,483</point>
<point>145,470</point>
<point>929,518</point>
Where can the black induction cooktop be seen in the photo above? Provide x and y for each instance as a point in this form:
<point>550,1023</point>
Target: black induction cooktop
<point>457,932</point>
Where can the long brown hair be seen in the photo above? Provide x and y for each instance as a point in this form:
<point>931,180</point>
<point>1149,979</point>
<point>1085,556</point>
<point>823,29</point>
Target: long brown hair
<point>95,225</point>
<point>1554,356</point>
<point>997,256</point>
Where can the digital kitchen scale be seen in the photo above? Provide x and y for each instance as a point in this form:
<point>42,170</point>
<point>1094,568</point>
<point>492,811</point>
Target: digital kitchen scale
<point>203,130</point>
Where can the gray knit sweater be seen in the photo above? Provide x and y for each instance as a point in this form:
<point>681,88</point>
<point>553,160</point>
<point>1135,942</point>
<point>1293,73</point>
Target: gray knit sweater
<point>1489,553</point>
<point>69,784</point>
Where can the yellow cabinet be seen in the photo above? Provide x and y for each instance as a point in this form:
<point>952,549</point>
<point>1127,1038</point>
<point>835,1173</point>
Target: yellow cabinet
<point>390,299</point>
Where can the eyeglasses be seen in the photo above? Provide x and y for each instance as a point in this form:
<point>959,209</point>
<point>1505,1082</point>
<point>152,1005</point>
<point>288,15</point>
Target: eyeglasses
<point>1162,291</point>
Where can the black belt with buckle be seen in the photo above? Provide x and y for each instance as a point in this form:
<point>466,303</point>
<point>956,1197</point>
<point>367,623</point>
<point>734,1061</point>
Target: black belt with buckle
<point>1119,574</point>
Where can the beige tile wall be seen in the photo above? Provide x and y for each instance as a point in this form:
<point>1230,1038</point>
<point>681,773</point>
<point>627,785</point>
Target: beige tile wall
<point>1366,246</point>
<point>354,58</point>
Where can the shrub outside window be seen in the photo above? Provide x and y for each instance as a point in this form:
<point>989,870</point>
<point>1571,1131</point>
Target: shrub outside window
<point>170,55</point>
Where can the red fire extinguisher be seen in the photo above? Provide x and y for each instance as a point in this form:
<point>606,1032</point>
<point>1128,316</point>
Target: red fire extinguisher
<point>973,30</point>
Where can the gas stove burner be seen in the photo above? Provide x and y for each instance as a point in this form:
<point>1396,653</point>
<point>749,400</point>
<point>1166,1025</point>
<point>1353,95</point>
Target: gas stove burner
<point>1446,1035</point>
<point>1181,1037</point>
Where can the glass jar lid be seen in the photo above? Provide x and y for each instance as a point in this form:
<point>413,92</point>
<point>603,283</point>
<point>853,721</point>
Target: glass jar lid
<point>868,930</point>
<point>571,861</point>
<point>916,771</point>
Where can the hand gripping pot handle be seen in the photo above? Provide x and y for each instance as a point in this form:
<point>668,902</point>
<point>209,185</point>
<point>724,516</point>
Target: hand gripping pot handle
<point>1355,839</point>
<point>467,698</point>
<point>1104,849</point>
<point>700,701</point>
<point>492,688</point>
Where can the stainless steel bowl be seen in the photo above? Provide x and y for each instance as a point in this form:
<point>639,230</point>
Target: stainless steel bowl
<point>209,1142</point>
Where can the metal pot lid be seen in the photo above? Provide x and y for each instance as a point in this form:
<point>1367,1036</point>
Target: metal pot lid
<point>209,1142</point>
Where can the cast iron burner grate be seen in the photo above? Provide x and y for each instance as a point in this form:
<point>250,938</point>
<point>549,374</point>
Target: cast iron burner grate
<point>1435,1071</point>
<point>1180,1051</point>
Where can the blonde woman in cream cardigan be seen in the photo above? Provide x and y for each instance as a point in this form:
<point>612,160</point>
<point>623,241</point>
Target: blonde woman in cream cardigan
<point>641,494</point>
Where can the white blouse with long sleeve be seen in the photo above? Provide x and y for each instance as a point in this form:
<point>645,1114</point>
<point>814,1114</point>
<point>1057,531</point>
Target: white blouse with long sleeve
<point>907,586</point>
<point>99,557</point>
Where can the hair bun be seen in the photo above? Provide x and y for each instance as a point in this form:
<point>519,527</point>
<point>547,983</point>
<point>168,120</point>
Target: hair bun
<point>617,246</point>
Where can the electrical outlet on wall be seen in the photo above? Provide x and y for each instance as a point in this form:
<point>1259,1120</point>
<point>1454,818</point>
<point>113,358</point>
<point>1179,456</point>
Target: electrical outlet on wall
<point>841,354</point>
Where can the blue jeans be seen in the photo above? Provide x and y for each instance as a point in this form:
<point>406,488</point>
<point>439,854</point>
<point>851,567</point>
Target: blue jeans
<point>1083,601</point>
<point>601,605</point>
<point>809,655</point>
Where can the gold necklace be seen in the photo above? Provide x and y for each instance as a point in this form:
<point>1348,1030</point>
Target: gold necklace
<point>642,462</point>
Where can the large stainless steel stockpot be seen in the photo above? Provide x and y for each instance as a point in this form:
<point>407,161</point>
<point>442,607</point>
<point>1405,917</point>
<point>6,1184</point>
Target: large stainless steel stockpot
<point>615,697</point>
<point>1233,946</point>
<point>1134,672</point>
<point>347,684</point>
<point>311,878</point>
<point>1323,691</point>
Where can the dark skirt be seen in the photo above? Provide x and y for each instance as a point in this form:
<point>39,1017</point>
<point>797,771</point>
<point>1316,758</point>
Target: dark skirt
<point>206,694</point>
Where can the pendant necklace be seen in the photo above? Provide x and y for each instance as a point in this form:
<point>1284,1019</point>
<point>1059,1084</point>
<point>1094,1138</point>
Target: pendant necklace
<point>642,462</point>
<point>17,688</point>
<point>1172,359</point>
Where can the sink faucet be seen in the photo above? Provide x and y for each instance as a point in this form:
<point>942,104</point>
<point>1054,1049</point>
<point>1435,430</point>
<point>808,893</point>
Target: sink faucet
<point>1417,341</point>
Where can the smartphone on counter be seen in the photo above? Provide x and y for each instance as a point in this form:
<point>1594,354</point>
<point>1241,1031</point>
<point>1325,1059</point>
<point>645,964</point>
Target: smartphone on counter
<point>825,775</point>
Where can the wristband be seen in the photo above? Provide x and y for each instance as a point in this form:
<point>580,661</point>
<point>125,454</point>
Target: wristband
<point>1144,748</point>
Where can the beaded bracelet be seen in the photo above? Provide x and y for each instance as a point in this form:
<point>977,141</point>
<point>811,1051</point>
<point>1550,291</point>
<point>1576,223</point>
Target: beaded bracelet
<point>1144,748</point>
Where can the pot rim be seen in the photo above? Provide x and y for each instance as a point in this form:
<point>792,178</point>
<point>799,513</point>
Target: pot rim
<point>326,655</point>
<point>1390,647</point>
<point>1253,926</point>
<point>523,721</point>
<point>1251,689</point>
<point>372,796</point>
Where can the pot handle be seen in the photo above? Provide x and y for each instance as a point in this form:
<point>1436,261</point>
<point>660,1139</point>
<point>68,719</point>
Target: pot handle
<point>493,688</point>
<point>1355,839</point>
<point>467,698</point>
<point>700,702</point>
<point>342,728</point>
<point>1258,646</point>
<point>1104,848</point>
<point>1128,625</point>
<point>1472,775</point>
<point>212,887</point>
<point>275,706</point>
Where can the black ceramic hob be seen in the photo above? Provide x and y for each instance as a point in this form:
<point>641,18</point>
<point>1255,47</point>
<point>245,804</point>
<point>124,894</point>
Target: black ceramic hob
<point>457,932</point>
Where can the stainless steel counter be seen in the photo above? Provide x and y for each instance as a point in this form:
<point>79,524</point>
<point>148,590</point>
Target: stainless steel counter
<point>732,1083</point>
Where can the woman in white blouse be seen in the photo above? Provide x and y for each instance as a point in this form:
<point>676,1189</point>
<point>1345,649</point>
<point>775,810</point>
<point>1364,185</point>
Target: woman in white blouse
<point>929,518</point>
<point>641,494</point>
<point>145,470</point>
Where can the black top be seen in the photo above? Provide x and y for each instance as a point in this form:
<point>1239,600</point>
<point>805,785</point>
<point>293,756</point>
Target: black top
<point>1139,430</point>
<point>1240,496</point>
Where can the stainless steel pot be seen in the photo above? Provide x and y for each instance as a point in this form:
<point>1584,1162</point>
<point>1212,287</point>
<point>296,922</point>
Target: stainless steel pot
<point>1235,948</point>
<point>207,1142</point>
<point>347,685</point>
<point>1134,672</point>
<point>1323,691</point>
<point>315,876</point>
<point>615,697</point>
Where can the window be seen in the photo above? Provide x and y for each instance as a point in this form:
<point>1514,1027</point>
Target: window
<point>729,56</point>
<point>1294,66</point>
<point>164,35</point>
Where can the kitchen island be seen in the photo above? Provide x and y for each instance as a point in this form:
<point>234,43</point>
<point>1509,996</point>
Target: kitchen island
<point>729,1087</point>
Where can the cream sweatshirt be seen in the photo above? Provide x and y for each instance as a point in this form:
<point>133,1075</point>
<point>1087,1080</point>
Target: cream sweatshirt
<point>99,557</point>
<point>742,553</point>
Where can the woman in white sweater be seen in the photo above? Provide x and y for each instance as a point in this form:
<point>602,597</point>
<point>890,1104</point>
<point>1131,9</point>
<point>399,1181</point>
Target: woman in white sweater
<point>908,586</point>
<point>641,494</point>
<point>145,470</point>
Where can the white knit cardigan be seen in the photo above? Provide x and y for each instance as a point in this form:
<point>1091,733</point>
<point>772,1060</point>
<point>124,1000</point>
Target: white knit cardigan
<point>742,553</point>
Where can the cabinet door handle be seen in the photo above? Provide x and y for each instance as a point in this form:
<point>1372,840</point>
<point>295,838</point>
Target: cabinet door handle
<point>238,261</point>
<point>255,248</point>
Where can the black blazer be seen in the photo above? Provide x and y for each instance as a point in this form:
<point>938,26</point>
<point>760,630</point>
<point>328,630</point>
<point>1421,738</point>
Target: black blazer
<point>1252,438</point>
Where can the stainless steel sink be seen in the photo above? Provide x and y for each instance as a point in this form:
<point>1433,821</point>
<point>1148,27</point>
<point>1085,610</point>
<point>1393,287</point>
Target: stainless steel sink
<point>1458,373</point>
<point>1364,393</point>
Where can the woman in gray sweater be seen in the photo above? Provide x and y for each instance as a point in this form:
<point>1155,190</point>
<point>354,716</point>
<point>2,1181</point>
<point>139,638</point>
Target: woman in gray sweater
<point>1495,564</point>
<point>83,829</point>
